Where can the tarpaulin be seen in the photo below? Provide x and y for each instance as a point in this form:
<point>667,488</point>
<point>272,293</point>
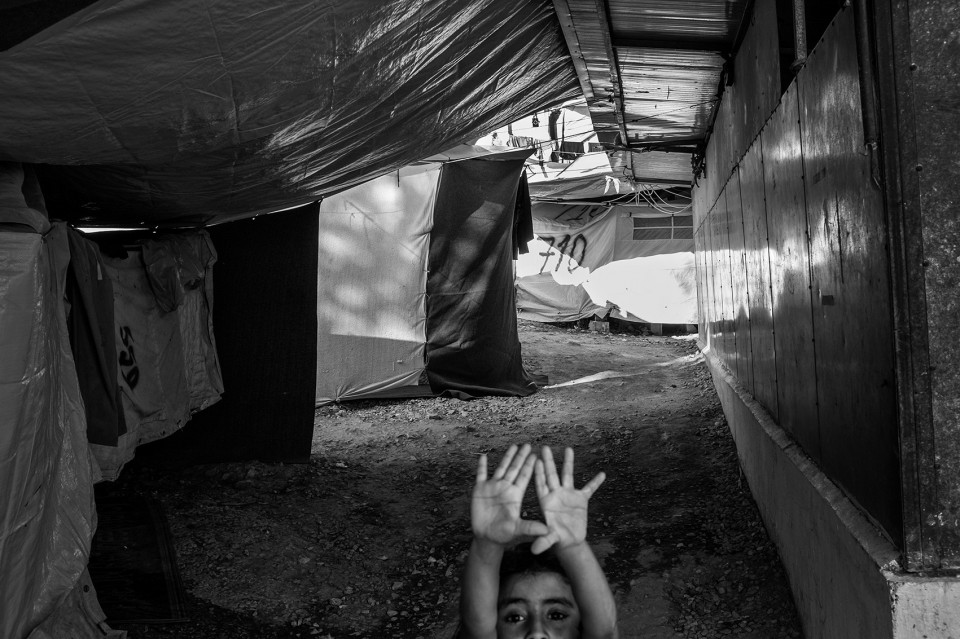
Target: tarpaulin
<point>660,289</point>
<point>472,342</point>
<point>47,515</point>
<point>584,261</point>
<point>177,112</point>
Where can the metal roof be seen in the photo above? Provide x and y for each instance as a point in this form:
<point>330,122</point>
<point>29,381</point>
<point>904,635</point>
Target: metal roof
<point>651,71</point>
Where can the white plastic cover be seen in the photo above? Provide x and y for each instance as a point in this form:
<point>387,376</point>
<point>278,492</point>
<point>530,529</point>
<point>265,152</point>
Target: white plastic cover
<point>371,284</point>
<point>584,262</point>
<point>47,515</point>
<point>201,112</point>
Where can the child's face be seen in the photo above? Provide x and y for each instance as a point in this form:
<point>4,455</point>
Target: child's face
<point>537,605</point>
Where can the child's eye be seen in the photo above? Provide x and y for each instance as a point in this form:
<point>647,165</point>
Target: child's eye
<point>557,615</point>
<point>513,617</point>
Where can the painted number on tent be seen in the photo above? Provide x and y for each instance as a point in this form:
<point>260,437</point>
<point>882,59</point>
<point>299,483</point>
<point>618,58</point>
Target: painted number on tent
<point>573,248</point>
<point>127,359</point>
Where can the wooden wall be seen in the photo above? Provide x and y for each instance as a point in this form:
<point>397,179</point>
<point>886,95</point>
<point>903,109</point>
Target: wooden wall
<point>793,265</point>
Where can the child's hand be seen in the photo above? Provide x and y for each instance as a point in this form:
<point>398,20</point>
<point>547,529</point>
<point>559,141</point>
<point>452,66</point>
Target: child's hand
<point>564,507</point>
<point>495,507</point>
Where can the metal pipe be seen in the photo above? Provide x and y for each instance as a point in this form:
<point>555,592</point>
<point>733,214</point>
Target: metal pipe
<point>799,35</point>
<point>868,99</point>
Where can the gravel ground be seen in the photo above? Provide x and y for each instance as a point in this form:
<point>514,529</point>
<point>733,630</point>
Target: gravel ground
<point>369,538</point>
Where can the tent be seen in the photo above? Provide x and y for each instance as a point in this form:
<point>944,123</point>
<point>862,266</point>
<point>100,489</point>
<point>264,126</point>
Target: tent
<point>415,280</point>
<point>633,262</point>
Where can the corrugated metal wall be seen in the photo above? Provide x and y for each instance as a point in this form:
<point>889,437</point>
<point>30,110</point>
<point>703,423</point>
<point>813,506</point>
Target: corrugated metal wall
<point>792,262</point>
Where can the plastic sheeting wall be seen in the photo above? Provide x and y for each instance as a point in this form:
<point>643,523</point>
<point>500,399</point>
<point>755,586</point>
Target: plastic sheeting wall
<point>371,284</point>
<point>793,274</point>
<point>47,515</point>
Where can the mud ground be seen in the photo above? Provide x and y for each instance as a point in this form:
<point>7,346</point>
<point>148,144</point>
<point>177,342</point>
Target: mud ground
<point>368,539</point>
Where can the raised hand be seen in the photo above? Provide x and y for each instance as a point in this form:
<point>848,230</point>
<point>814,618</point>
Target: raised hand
<point>495,506</point>
<point>564,507</point>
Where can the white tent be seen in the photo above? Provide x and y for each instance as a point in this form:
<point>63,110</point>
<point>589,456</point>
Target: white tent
<point>633,262</point>
<point>414,289</point>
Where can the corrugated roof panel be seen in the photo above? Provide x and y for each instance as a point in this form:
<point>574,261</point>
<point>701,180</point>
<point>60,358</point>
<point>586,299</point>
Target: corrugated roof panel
<point>713,20</point>
<point>664,79</point>
<point>654,167</point>
<point>668,93</point>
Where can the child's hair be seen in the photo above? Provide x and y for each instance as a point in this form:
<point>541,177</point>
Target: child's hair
<point>519,560</point>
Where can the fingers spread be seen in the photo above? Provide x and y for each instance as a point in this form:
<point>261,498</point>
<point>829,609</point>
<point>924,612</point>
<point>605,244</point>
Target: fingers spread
<point>523,479</point>
<point>516,465</point>
<point>553,482</point>
<point>593,484</point>
<point>568,468</point>
<point>505,462</point>
<point>482,468</point>
<point>541,480</point>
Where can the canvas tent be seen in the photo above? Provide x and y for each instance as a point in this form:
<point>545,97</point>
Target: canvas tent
<point>415,280</point>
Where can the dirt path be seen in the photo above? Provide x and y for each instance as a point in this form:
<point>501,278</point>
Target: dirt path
<point>369,538</point>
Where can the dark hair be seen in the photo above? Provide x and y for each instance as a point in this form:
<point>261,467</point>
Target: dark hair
<point>520,560</point>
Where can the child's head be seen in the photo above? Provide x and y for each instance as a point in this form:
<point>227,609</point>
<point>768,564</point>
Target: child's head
<point>536,599</point>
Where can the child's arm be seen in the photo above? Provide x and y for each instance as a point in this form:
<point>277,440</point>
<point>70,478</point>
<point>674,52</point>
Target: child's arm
<point>565,511</point>
<point>495,519</point>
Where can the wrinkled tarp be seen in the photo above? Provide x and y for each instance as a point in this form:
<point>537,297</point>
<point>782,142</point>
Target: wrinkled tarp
<point>47,514</point>
<point>660,289</point>
<point>590,176</point>
<point>165,113</point>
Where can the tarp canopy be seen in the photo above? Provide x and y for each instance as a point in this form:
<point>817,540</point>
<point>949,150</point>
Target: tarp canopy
<point>181,113</point>
<point>590,176</point>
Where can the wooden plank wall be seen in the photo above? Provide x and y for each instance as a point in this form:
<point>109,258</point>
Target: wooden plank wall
<point>794,262</point>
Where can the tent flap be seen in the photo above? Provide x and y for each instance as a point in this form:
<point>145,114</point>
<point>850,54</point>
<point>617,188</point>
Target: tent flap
<point>472,343</point>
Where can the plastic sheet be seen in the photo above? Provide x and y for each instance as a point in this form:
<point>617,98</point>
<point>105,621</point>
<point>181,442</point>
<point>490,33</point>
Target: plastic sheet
<point>584,262</point>
<point>178,112</point>
<point>47,515</point>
